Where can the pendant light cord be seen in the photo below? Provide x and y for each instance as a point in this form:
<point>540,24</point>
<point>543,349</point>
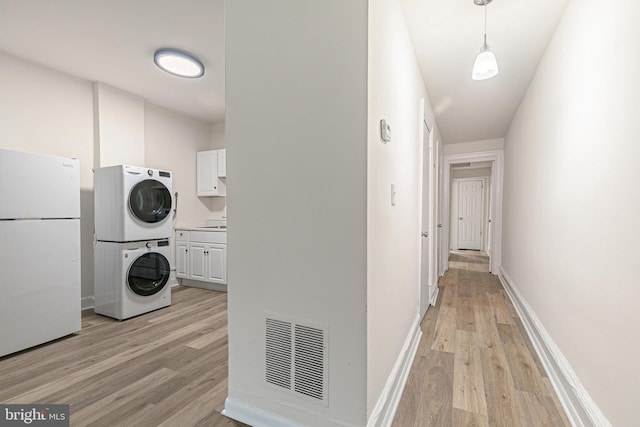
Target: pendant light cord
<point>485,23</point>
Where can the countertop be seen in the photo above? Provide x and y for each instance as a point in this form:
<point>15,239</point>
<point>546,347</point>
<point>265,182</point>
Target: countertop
<point>202,228</point>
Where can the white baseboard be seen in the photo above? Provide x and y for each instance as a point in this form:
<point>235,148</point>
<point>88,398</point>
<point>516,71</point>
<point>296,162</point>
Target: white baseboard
<point>434,298</point>
<point>253,416</point>
<point>87,303</point>
<point>581,410</point>
<point>202,285</point>
<point>385,409</point>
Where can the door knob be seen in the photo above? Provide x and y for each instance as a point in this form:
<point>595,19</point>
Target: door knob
<point>439,225</point>
<point>425,234</point>
<point>460,218</point>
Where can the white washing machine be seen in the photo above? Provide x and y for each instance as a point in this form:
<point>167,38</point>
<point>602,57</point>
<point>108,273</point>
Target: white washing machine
<point>132,203</point>
<point>131,278</point>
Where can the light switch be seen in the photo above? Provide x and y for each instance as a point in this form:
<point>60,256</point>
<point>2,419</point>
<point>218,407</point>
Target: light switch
<point>393,194</point>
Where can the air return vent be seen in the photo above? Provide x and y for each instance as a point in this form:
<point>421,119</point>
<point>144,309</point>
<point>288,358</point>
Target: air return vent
<point>296,358</point>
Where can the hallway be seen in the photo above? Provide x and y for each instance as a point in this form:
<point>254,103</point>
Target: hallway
<point>475,365</point>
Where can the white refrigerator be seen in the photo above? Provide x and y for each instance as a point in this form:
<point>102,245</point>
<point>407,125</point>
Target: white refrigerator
<point>39,249</point>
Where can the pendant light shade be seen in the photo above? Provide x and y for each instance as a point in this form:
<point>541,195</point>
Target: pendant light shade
<point>486,65</point>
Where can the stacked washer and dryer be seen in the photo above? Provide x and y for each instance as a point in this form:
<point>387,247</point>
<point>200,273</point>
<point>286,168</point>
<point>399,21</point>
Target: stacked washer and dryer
<point>133,224</point>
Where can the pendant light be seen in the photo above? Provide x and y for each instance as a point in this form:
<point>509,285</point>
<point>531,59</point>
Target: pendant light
<point>486,65</point>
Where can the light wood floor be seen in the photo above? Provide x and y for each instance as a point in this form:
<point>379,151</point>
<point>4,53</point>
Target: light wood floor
<point>475,365</point>
<point>165,368</point>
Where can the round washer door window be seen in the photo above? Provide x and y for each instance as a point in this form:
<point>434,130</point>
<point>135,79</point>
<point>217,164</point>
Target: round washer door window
<point>148,274</point>
<point>150,201</point>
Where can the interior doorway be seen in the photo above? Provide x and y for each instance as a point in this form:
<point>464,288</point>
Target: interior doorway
<point>424,220</point>
<point>428,286</point>
<point>430,165</point>
<point>470,206</point>
<point>486,166</point>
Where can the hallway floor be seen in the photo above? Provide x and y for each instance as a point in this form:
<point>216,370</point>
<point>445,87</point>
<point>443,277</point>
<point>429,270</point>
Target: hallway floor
<point>475,365</point>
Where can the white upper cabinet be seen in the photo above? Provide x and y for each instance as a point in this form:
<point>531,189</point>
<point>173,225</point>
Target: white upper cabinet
<point>211,173</point>
<point>222,163</point>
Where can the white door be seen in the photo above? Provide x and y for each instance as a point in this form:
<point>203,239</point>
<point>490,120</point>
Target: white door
<point>425,253</point>
<point>470,208</point>
<point>435,220</point>
<point>440,242</point>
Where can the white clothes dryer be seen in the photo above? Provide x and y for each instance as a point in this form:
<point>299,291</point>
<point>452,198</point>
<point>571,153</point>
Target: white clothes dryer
<point>132,203</point>
<point>131,278</point>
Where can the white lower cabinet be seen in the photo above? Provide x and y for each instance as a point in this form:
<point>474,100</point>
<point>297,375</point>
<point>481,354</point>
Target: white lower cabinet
<point>216,263</point>
<point>201,255</point>
<point>182,259</point>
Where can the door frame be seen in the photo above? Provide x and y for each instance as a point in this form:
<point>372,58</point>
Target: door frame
<point>432,262</point>
<point>495,208</point>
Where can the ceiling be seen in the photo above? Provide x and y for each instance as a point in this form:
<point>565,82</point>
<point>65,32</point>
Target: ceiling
<point>447,36</point>
<point>113,42</point>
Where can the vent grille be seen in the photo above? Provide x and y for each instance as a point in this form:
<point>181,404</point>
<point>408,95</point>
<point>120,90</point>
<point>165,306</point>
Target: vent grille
<point>309,361</point>
<point>278,353</point>
<point>296,358</point>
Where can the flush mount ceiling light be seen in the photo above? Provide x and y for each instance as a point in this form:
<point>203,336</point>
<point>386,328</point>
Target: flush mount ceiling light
<point>178,63</point>
<point>486,65</point>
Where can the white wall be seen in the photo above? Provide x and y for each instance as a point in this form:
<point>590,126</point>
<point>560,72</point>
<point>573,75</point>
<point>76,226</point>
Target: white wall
<point>474,146</point>
<point>48,112</point>
<point>296,130</point>
<point>393,232</point>
<point>119,127</point>
<point>218,135</point>
<point>571,211</point>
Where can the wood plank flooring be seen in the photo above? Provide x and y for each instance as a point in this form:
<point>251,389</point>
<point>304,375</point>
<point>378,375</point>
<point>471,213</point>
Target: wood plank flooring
<point>167,368</point>
<point>475,365</point>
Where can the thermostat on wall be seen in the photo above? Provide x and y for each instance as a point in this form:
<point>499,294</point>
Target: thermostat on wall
<point>385,131</point>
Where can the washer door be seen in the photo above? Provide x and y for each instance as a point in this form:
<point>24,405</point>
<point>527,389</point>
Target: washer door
<point>150,201</point>
<point>148,274</point>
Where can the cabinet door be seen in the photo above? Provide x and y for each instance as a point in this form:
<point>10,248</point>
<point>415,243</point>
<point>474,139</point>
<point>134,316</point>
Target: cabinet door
<point>222,163</point>
<point>197,264</point>
<point>182,259</point>
<point>207,173</point>
<point>216,264</point>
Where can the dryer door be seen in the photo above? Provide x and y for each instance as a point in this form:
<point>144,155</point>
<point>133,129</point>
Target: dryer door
<point>150,201</point>
<point>148,274</point>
